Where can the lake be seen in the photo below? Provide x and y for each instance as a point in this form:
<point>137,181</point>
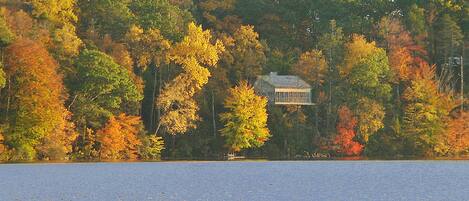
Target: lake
<point>270,180</point>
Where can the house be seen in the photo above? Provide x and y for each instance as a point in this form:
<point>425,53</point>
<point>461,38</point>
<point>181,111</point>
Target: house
<point>283,89</point>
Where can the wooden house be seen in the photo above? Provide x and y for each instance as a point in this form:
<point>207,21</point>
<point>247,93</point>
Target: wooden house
<point>283,89</point>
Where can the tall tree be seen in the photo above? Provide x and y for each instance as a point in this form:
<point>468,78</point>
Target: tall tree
<point>195,53</point>
<point>246,119</point>
<point>448,39</point>
<point>425,113</point>
<point>332,44</point>
<point>37,98</point>
<point>367,78</point>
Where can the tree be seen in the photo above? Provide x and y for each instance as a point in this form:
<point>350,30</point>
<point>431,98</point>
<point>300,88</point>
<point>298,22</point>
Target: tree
<point>246,119</point>
<point>218,15</point>
<point>100,89</point>
<point>367,79</point>
<point>312,67</point>
<point>455,141</point>
<point>106,16</point>
<point>6,35</point>
<point>66,42</point>
<point>416,21</point>
<point>179,110</point>
<point>58,144</point>
<point>345,139</point>
<point>118,139</point>
<point>151,147</point>
<point>425,113</point>
<point>58,11</point>
<point>332,45</point>
<point>448,39</point>
<point>244,57</point>
<point>148,47</point>
<point>37,98</point>
<point>161,15</point>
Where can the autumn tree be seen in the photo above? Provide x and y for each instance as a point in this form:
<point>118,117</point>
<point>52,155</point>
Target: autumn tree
<point>425,113</point>
<point>367,78</point>
<point>6,35</point>
<point>57,11</point>
<point>194,54</point>
<point>246,118</point>
<point>244,57</point>
<point>455,141</point>
<point>346,133</point>
<point>151,147</point>
<point>36,100</point>
<point>118,139</point>
<point>148,47</point>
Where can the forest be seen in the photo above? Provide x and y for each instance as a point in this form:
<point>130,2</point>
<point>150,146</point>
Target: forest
<point>87,80</point>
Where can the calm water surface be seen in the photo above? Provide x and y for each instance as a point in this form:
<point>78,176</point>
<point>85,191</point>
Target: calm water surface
<point>292,180</point>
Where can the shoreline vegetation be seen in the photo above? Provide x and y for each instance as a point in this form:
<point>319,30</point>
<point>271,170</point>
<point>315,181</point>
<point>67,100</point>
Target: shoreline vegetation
<point>150,80</point>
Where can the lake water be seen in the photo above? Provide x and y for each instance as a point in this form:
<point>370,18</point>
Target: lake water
<point>276,180</point>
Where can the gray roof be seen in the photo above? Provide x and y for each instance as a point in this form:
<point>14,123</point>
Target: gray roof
<point>285,81</point>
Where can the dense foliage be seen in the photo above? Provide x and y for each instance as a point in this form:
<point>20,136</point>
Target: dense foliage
<point>122,79</point>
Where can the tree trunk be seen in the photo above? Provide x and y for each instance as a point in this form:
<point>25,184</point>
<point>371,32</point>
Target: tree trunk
<point>153,94</point>
<point>213,116</point>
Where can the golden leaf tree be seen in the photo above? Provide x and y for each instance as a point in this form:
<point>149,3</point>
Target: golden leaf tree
<point>246,119</point>
<point>194,54</point>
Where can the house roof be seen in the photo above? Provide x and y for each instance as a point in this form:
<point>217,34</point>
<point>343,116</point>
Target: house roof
<point>285,81</point>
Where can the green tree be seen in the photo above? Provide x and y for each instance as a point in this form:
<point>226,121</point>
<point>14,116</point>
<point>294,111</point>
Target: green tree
<point>246,119</point>
<point>161,15</point>
<point>448,39</point>
<point>106,16</point>
<point>101,89</point>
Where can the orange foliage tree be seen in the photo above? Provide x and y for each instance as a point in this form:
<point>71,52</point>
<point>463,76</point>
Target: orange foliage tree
<point>118,138</point>
<point>346,133</point>
<point>35,105</point>
<point>456,139</point>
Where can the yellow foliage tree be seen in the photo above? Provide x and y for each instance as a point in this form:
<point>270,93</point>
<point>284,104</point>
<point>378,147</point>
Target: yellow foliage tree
<point>246,119</point>
<point>148,46</point>
<point>58,11</point>
<point>245,54</point>
<point>356,51</point>
<point>195,53</point>
<point>118,139</point>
